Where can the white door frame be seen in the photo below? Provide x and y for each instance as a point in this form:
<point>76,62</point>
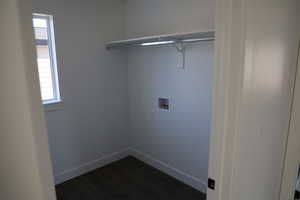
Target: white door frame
<point>227,95</point>
<point>228,79</point>
<point>292,157</point>
<point>228,85</point>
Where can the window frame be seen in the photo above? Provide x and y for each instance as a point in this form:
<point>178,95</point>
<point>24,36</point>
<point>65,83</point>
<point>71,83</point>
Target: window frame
<point>52,55</point>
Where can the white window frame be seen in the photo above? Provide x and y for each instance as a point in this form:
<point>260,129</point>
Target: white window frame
<point>53,60</point>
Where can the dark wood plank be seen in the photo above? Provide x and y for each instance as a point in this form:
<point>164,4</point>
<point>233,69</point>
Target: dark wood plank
<point>127,179</point>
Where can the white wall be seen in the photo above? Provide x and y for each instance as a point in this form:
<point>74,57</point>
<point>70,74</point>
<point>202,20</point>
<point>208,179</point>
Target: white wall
<point>25,161</point>
<point>92,121</point>
<point>177,141</point>
<point>156,17</point>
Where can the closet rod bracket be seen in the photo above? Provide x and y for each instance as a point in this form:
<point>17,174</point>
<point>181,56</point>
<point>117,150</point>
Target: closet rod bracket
<point>181,48</point>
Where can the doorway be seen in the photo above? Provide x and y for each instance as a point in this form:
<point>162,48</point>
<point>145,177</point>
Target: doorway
<point>135,79</point>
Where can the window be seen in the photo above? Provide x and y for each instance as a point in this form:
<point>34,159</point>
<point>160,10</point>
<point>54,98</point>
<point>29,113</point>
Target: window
<point>46,58</point>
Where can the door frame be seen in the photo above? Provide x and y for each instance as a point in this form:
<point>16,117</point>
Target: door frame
<point>292,154</point>
<point>227,97</point>
<point>227,94</point>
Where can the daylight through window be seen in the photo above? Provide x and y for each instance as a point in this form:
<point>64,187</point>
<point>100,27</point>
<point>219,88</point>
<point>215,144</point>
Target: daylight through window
<point>46,58</point>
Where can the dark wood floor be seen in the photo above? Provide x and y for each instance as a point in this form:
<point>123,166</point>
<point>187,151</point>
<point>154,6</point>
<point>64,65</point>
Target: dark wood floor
<point>127,179</point>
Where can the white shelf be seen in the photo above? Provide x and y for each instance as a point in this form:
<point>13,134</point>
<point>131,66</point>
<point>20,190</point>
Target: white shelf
<point>176,38</point>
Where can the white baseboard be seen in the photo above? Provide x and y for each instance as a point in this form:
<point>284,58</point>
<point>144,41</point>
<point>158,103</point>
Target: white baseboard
<point>181,176</point>
<point>89,166</point>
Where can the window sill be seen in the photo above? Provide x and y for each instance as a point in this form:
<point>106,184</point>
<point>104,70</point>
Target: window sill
<point>51,106</point>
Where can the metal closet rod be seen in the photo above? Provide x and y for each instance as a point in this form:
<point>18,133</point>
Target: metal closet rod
<point>182,39</point>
